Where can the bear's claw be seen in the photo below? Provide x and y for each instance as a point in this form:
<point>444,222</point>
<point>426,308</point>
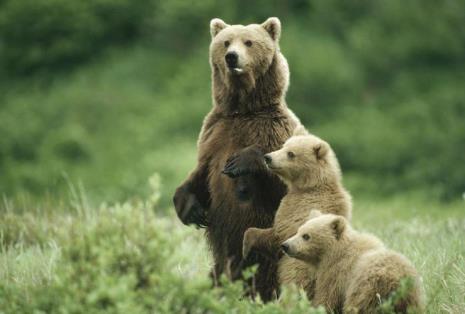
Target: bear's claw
<point>189,209</point>
<point>233,169</point>
<point>245,162</point>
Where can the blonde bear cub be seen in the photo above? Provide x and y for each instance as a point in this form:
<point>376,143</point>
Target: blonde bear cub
<point>309,168</point>
<point>355,272</point>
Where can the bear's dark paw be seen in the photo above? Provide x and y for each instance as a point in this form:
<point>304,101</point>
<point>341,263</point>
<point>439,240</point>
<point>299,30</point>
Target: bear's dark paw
<point>188,208</point>
<point>243,192</point>
<point>245,162</point>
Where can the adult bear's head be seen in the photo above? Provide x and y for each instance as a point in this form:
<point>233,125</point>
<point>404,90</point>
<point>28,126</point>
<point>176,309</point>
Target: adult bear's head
<point>249,71</point>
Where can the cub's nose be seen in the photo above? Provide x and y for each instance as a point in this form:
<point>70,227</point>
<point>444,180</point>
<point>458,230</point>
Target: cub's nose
<point>285,247</point>
<point>268,159</point>
<point>231,59</point>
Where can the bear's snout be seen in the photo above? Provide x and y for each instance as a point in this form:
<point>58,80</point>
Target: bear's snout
<point>285,247</point>
<point>268,159</point>
<point>231,59</point>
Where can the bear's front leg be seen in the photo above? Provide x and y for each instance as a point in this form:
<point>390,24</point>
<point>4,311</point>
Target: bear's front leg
<point>191,199</point>
<point>261,240</point>
<point>248,161</point>
<point>188,208</point>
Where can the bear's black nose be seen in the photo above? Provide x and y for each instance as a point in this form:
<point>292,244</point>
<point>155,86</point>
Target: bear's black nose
<point>268,159</point>
<point>285,247</point>
<point>231,59</point>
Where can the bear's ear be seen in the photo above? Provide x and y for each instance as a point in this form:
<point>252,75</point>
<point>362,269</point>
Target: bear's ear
<point>216,26</point>
<point>320,150</point>
<point>273,27</point>
<point>300,130</point>
<point>337,226</point>
<point>314,213</point>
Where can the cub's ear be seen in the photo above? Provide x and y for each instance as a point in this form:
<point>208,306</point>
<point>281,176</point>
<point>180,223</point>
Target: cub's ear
<point>300,130</point>
<point>314,213</point>
<point>216,26</point>
<point>273,27</point>
<point>337,226</point>
<point>321,149</point>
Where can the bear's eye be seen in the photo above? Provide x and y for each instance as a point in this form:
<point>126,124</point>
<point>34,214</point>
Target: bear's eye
<point>248,43</point>
<point>226,43</point>
<point>306,237</point>
<point>290,155</point>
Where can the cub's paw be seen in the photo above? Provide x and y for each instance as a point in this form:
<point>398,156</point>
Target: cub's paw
<point>188,208</point>
<point>245,162</point>
<point>249,242</point>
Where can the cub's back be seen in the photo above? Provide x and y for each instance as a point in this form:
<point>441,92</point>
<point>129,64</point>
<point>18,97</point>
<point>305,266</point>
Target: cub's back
<point>295,209</point>
<point>376,275</point>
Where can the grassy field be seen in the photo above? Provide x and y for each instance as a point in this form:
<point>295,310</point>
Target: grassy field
<point>122,258</point>
<point>97,95</point>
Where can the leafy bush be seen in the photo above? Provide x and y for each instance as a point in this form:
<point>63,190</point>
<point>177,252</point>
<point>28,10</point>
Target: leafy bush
<point>53,34</point>
<point>364,76</point>
<point>115,259</point>
<point>124,258</point>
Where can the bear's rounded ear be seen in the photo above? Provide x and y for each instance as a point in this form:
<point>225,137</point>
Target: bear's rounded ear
<point>338,225</point>
<point>300,130</point>
<point>321,149</point>
<point>216,26</point>
<point>314,213</point>
<point>273,27</point>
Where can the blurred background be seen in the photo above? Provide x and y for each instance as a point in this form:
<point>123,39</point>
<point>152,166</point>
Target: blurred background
<point>104,93</point>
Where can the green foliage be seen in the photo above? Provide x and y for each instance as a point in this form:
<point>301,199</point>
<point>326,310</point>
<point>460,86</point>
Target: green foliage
<point>49,34</point>
<point>382,81</point>
<point>124,258</point>
<point>114,259</point>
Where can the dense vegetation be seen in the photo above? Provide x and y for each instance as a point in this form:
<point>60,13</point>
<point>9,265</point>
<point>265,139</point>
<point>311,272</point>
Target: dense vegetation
<point>97,95</point>
<point>107,92</point>
<point>125,259</point>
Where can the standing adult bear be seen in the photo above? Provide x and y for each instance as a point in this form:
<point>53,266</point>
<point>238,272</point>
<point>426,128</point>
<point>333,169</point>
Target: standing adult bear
<point>231,190</point>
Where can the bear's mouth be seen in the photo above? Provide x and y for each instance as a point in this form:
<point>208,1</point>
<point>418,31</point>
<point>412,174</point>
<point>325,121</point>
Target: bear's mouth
<point>236,70</point>
<point>272,167</point>
<point>289,253</point>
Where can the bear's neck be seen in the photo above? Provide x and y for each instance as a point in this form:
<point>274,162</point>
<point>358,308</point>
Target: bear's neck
<point>351,245</point>
<point>243,94</point>
<point>338,251</point>
<point>305,184</point>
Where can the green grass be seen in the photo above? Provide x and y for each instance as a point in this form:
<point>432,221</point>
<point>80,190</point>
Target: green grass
<point>126,257</point>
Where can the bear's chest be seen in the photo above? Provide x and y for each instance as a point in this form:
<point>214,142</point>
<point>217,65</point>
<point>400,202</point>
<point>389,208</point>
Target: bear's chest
<point>230,137</point>
<point>293,211</point>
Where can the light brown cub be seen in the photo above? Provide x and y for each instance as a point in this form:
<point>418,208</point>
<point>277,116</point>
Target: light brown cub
<point>309,167</point>
<point>355,273</point>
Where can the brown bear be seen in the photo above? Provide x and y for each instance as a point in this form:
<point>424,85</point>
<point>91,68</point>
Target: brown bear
<point>231,190</point>
<point>355,272</point>
<point>310,169</point>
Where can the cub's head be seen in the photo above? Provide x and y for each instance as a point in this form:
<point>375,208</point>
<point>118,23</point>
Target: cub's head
<point>315,237</point>
<point>305,161</point>
<point>238,50</point>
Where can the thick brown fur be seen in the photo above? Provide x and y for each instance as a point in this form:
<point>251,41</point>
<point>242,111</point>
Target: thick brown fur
<point>311,171</point>
<point>355,273</point>
<point>249,118</point>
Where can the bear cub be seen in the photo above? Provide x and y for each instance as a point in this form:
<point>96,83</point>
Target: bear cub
<point>309,168</point>
<point>355,272</point>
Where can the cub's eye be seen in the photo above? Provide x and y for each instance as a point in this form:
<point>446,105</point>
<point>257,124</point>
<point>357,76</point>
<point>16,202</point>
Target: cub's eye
<point>306,237</point>
<point>290,155</point>
<point>248,43</point>
<point>226,43</point>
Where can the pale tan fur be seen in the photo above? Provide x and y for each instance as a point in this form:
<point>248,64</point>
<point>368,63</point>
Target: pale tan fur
<point>265,77</point>
<point>354,271</point>
<point>314,181</point>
